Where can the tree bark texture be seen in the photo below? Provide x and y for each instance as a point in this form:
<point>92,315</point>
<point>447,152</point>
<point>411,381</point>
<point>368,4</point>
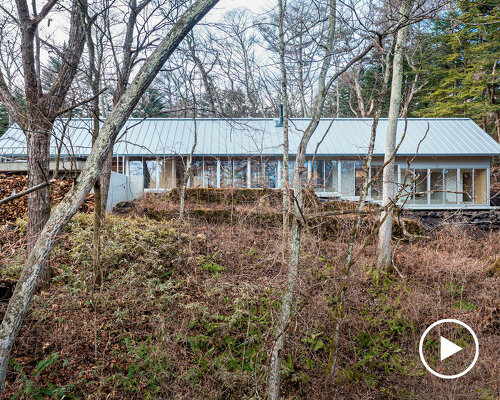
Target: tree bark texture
<point>20,301</point>
<point>384,260</point>
<point>299,176</point>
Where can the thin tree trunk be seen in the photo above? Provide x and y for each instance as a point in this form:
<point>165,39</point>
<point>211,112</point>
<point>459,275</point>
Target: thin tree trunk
<point>384,260</point>
<point>296,229</point>
<point>348,262</point>
<point>284,98</point>
<point>62,214</point>
<point>189,167</point>
<point>276,356</point>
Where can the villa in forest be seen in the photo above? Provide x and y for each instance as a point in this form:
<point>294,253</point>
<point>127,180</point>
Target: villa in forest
<point>442,163</point>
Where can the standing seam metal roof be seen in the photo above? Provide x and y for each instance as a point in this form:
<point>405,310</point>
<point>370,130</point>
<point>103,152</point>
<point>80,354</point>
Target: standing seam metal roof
<point>254,136</point>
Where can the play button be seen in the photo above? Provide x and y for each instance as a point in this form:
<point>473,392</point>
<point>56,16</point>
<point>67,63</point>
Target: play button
<point>448,348</point>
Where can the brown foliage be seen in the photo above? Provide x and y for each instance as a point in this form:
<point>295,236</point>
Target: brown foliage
<point>89,329</point>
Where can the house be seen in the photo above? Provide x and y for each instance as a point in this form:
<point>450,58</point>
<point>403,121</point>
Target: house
<point>441,163</point>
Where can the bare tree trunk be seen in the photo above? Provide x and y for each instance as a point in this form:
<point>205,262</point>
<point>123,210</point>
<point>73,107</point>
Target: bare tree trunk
<point>348,262</point>
<point>189,167</point>
<point>276,356</point>
<point>385,233</point>
<point>123,71</point>
<point>284,97</point>
<point>62,214</point>
<point>95,78</point>
<point>296,229</point>
<point>38,173</point>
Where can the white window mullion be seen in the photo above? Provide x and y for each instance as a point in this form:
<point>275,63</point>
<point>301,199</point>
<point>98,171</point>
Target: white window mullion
<point>157,174</point>
<point>218,174</point>
<point>488,199</point>
<point>428,186</point>
<point>249,173</point>
<point>339,177</point>
<point>473,188</point>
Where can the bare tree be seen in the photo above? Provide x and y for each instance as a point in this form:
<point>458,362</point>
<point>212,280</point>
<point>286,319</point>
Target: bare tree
<point>43,105</point>
<point>21,298</point>
<point>294,240</point>
<point>385,233</point>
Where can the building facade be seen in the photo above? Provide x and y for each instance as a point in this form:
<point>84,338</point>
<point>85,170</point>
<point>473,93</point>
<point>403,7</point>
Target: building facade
<point>441,163</point>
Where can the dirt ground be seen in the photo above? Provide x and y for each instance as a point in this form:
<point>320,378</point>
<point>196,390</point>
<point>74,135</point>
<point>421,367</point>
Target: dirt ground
<point>188,314</point>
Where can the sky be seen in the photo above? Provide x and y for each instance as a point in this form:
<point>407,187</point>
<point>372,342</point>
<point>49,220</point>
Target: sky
<point>255,6</point>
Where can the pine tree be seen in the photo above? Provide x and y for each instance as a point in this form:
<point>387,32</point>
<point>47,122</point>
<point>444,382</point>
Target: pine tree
<point>4,119</point>
<point>464,65</point>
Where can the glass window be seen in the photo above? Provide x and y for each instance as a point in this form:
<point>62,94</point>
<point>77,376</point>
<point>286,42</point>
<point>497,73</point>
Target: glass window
<point>196,174</point>
<point>318,175</point>
<point>240,173</point>
<point>135,168</point>
<point>407,186</point>
<point>437,195</point>
<point>420,186</point>
<point>466,183</point>
<point>450,186</point>
<point>291,169</point>
<point>331,176</point>
<point>347,178</point>
<point>480,185</point>
<point>272,174</point>
<point>233,173</point>
<point>226,174</point>
<point>377,182</point>
<point>360,177</point>
<point>210,173</point>
<point>150,174</point>
<point>257,174</point>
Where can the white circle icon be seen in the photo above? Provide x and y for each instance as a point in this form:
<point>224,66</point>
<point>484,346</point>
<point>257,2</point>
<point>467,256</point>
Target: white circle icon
<point>448,348</point>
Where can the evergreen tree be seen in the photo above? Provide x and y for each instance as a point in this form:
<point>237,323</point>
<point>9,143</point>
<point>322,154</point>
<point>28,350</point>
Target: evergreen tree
<point>463,65</point>
<point>151,105</point>
<point>4,119</point>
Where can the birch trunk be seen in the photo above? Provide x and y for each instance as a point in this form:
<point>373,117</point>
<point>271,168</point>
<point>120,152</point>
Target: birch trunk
<point>284,97</point>
<point>62,214</point>
<point>296,229</point>
<point>385,233</point>
<point>189,167</point>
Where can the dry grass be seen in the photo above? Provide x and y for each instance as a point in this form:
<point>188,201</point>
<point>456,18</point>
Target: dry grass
<point>192,319</point>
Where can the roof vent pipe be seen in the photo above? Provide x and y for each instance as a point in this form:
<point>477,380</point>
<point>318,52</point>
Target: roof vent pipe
<point>279,122</point>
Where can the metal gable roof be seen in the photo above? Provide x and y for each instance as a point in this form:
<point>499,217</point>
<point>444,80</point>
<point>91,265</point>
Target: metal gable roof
<point>259,136</point>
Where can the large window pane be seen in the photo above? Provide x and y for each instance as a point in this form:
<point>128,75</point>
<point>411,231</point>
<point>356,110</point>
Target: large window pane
<point>407,186</point>
<point>360,177</point>
<point>291,169</point>
<point>437,186</point>
<point>226,173</point>
<point>420,186</point>
<point>150,174</point>
<point>210,175</point>
<point>240,173</point>
<point>258,174</point>
<point>377,182</point>
<point>318,175</point>
<point>347,178</point>
<point>233,173</point>
<point>450,186</point>
<point>480,184</point>
<point>466,183</point>
<point>331,175</point>
<point>272,174</point>
<point>196,175</point>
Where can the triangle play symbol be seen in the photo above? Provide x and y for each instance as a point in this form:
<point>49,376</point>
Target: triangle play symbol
<point>448,348</point>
